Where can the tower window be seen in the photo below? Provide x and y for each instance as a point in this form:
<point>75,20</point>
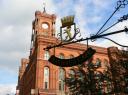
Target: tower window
<point>37,20</point>
<point>46,55</point>
<point>46,78</point>
<point>46,85</point>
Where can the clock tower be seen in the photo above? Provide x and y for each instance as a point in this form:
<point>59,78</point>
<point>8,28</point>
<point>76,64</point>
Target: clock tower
<point>44,24</point>
<point>37,66</point>
<point>37,76</point>
<point>43,34</point>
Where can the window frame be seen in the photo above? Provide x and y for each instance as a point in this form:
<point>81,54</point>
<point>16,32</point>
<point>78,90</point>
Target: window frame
<point>46,55</point>
<point>46,77</point>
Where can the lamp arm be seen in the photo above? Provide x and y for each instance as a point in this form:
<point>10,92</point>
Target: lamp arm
<point>115,42</point>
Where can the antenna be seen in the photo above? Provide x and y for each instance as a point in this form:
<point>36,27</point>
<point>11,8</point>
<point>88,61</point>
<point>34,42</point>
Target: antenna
<point>44,10</point>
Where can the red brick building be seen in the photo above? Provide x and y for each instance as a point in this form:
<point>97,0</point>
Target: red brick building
<point>37,76</point>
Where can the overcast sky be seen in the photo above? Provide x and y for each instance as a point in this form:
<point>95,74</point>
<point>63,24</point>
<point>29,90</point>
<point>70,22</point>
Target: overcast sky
<point>16,19</point>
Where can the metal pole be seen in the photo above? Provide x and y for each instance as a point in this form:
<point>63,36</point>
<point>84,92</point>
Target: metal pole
<point>92,37</point>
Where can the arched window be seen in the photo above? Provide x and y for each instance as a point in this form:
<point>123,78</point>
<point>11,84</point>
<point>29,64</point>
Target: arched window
<point>106,64</point>
<point>46,78</point>
<point>61,79</point>
<point>46,55</point>
<point>61,56</point>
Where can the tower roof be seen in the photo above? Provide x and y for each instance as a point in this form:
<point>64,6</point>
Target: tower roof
<point>44,14</point>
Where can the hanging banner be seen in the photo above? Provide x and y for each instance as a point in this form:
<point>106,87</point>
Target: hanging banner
<point>73,61</point>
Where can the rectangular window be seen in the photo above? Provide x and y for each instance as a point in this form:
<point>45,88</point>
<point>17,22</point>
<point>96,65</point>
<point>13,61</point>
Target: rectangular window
<point>60,86</point>
<point>46,85</point>
<point>46,55</point>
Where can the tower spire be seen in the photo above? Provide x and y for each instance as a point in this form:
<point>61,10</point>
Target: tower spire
<point>44,9</point>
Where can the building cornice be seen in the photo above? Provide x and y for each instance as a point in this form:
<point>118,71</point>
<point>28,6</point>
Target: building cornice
<point>43,40</point>
<point>44,14</point>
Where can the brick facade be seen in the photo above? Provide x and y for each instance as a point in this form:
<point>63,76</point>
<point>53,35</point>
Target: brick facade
<point>31,71</point>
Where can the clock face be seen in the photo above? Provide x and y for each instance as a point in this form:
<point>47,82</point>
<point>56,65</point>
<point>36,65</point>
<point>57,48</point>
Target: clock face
<point>45,26</point>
